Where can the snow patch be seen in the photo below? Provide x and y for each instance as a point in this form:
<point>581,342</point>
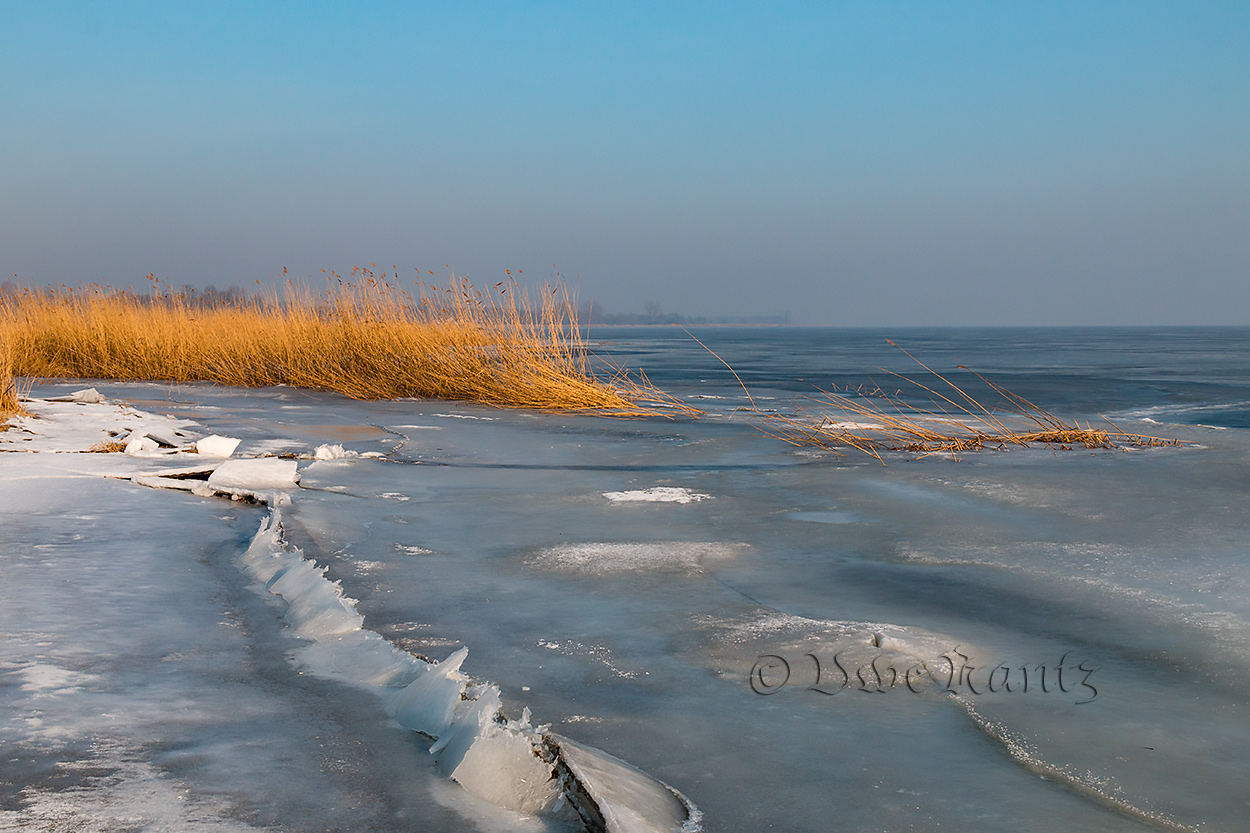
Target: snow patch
<point>46,678</point>
<point>598,653</point>
<point>600,558</point>
<point>76,425</point>
<point>657,494</point>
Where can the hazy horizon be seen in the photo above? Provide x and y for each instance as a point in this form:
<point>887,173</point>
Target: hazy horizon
<point>856,165</point>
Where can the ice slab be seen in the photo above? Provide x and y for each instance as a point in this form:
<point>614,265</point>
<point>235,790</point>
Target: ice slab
<point>627,800</point>
<point>140,443</point>
<point>262,474</point>
<point>88,396</point>
<point>502,762</point>
<point>195,487</point>
<point>185,472</point>
<point>315,606</point>
<point>428,704</point>
<point>216,446</point>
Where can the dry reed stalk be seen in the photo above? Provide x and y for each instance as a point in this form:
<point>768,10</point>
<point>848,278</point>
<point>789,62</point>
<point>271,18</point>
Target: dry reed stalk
<point>10,398</point>
<point>367,339</point>
<point>874,421</point>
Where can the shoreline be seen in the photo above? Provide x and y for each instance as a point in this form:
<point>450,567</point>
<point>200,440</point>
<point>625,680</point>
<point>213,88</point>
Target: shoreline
<point>505,761</point>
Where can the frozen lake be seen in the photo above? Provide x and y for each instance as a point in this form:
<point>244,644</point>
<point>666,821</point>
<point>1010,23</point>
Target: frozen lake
<point>792,639</point>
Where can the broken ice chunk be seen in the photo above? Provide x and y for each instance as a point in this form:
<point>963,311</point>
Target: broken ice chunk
<point>626,799</point>
<point>216,446</point>
<point>332,452</point>
<point>140,443</point>
<point>428,704</point>
<point>89,396</point>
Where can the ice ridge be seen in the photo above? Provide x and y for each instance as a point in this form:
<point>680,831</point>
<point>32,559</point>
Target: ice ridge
<point>505,761</point>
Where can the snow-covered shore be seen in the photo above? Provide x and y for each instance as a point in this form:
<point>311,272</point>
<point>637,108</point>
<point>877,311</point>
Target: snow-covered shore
<point>150,689</point>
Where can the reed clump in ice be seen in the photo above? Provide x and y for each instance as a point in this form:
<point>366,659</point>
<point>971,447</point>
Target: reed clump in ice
<point>364,337</point>
<point>875,420</point>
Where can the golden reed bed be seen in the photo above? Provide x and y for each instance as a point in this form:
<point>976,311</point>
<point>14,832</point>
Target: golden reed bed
<point>364,337</point>
<point>368,339</point>
<point>10,402</point>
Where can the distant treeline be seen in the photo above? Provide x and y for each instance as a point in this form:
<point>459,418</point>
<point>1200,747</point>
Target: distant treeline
<point>210,297</point>
<point>591,314</point>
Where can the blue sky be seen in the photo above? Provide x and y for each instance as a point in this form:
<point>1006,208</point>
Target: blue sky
<point>849,163</point>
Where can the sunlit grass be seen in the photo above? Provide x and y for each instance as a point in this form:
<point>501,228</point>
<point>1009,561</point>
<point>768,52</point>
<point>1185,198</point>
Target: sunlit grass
<point>10,401</point>
<point>365,338</point>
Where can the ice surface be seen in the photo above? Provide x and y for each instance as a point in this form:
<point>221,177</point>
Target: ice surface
<point>142,690</point>
<point>750,650</point>
<point>609,622</point>
<point>506,762</point>
<point>501,760</point>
